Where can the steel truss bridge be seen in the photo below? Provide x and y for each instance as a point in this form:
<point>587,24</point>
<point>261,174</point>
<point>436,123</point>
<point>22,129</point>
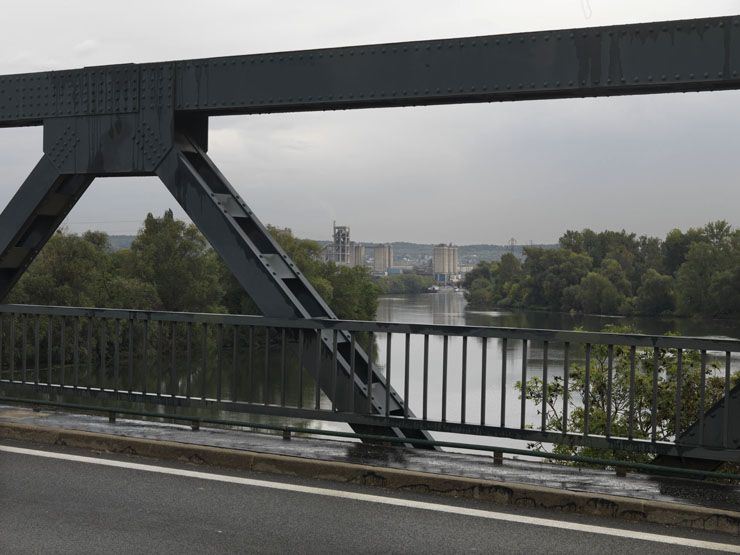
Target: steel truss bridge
<point>152,119</point>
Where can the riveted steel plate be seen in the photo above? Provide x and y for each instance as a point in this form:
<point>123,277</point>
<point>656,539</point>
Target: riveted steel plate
<point>647,58</point>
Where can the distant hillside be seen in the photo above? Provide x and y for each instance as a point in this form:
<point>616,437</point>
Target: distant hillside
<point>118,242</point>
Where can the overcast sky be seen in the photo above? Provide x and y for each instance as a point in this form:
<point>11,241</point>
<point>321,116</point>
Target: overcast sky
<point>481,173</point>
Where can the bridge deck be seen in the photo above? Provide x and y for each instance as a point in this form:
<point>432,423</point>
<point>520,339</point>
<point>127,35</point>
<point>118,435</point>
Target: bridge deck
<point>674,490</point>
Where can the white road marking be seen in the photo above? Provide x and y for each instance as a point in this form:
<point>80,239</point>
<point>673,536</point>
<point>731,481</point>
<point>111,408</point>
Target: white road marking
<point>426,506</point>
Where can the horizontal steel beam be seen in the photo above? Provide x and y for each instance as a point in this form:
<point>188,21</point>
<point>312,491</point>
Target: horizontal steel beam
<point>647,58</point>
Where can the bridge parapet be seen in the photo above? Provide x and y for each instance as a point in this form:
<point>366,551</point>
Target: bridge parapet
<point>152,119</point>
<point>601,390</point>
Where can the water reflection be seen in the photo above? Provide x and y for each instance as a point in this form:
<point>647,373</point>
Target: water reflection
<point>494,398</point>
<point>449,307</point>
<point>497,403</point>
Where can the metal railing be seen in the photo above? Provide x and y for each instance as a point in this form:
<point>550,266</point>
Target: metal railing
<point>648,394</point>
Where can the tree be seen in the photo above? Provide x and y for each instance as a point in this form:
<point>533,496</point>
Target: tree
<point>718,233</point>
<point>495,284</point>
<point>676,247</point>
<point>614,272</point>
<point>74,270</point>
<point>509,268</point>
<point>549,272</point>
<point>640,410</point>
<point>703,261</point>
<point>724,291</point>
<point>175,258</point>
<point>480,294</point>
<point>573,241</point>
<point>354,295</point>
<point>405,283</point>
<point>692,273</point>
<point>656,294</point>
<point>597,295</point>
<point>650,255</point>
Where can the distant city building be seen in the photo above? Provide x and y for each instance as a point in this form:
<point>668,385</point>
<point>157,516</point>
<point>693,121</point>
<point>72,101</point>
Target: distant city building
<point>341,250</point>
<point>445,263</point>
<point>401,269</point>
<point>357,255</point>
<point>382,258</point>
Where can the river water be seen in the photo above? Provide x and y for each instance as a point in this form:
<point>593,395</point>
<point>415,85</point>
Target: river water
<point>483,401</point>
<point>448,307</point>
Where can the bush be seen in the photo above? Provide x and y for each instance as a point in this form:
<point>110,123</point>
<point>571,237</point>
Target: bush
<point>620,412</point>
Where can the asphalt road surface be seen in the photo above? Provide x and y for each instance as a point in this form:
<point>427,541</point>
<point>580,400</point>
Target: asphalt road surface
<point>69,501</point>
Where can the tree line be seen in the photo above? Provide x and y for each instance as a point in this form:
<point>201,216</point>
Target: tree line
<point>688,273</point>
<point>404,284</point>
<point>171,266</point>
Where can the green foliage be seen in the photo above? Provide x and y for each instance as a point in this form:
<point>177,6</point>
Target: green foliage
<point>622,410</point>
<point>354,295</point>
<point>656,294</point>
<point>404,283</point>
<point>494,283</point>
<point>692,273</point>
<point>175,258</point>
<point>548,273</point>
<point>676,247</point>
<point>595,294</point>
<point>707,282</point>
<point>76,270</point>
<point>170,266</point>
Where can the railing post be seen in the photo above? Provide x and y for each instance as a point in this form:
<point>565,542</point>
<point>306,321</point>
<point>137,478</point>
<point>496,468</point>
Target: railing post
<point>627,358</point>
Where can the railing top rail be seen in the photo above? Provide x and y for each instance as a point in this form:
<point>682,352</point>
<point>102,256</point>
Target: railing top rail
<point>530,334</point>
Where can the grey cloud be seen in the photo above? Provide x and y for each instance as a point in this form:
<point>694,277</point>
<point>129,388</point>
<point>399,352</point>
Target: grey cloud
<point>478,173</point>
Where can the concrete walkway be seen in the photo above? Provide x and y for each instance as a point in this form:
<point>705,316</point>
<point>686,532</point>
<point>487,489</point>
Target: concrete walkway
<point>687,493</point>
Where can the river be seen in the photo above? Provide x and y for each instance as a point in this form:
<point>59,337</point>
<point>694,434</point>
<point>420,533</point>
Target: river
<point>448,307</point>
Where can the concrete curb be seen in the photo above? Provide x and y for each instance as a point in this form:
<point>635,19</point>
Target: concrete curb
<point>504,493</point>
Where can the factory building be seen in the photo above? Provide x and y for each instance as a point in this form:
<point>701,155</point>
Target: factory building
<point>382,258</point>
<point>445,263</point>
<point>339,250</point>
<point>357,255</point>
<point>342,250</point>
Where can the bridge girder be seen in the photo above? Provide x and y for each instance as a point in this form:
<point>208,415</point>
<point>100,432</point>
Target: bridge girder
<point>646,58</point>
